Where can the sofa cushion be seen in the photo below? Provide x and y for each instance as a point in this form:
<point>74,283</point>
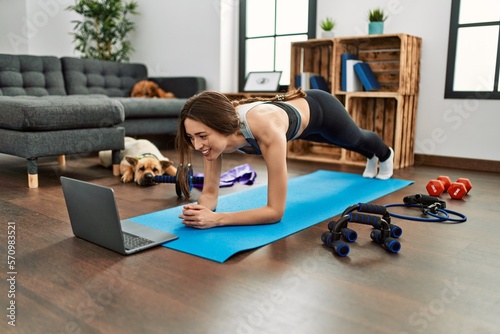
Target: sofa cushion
<point>92,76</point>
<point>30,75</point>
<point>137,107</point>
<point>50,143</point>
<point>181,87</point>
<point>154,126</point>
<point>30,113</point>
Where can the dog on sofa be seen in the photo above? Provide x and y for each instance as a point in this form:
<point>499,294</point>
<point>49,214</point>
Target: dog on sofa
<point>140,162</point>
<point>150,89</point>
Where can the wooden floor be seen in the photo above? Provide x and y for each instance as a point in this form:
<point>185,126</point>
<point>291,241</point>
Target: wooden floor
<point>446,279</point>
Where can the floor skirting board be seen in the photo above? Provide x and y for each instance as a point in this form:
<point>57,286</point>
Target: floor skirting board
<point>462,163</point>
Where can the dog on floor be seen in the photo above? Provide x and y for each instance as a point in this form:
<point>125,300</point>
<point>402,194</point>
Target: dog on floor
<point>140,162</point>
<point>150,89</point>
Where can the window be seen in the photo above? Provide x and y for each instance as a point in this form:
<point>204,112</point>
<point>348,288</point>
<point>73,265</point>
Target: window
<point>473,50</point>
<point>267,28</point>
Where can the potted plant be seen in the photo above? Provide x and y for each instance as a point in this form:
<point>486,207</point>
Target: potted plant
<point>327,25</point>
<point>376,18</point>
<point>102,32</point>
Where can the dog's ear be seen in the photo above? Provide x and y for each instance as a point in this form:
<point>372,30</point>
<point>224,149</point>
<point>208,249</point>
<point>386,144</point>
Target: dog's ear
<point>165,164</point>
<point>131,160</point>
<point>168,168</point>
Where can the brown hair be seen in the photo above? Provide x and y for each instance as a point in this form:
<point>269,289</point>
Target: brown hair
<point>295,94</point>
<point>217,112</point>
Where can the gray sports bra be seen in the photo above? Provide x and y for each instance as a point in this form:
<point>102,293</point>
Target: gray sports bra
<point>293,127</point>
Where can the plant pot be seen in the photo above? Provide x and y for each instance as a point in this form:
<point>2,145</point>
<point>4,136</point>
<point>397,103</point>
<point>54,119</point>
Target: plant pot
<point>327,34</point>
<point>375,28</point>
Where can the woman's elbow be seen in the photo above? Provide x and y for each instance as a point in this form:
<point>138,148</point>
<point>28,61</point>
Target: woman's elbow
<point>276,216</point>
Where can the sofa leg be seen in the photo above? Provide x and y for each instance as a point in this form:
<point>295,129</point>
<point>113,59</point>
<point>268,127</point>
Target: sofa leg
<point>61,159</point>
<point>33,181</point>
<point>115,158</point>
<point>33,173</point>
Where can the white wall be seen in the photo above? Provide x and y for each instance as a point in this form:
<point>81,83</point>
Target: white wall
<point>173,38</point>
<point>39,27</point>
<point>177,38</point>
<point>12,38</point>
<point>170,44</point>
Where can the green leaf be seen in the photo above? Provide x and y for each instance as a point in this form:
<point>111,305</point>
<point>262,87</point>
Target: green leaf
<point>327,24</point>
<point>376,15</point>
<point>101,33</point>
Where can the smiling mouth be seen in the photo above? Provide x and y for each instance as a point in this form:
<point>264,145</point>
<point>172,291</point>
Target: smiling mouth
<point>205,152</point>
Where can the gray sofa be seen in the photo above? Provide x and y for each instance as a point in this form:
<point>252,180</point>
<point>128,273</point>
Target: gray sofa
<point>53,106</point>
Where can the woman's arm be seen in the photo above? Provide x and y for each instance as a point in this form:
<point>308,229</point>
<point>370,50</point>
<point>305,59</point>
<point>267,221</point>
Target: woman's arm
<point>210,193</point>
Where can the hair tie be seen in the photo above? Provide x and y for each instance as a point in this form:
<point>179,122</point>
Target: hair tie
<point>280,97</point>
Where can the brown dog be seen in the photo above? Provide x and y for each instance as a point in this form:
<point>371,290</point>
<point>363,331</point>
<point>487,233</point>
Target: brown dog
<point>140,162</point>
<point>147,88</point>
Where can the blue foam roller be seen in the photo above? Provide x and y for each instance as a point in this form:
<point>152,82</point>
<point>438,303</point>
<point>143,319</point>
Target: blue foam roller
<point>396,231</point>
<point>392,245</point>
<point>340,248</point>
<point>349,235</point>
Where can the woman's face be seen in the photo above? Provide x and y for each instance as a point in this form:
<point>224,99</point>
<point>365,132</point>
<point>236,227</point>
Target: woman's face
<point>208,141</point>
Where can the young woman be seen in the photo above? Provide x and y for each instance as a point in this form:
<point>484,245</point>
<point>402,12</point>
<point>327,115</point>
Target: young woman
<point>211,124</point>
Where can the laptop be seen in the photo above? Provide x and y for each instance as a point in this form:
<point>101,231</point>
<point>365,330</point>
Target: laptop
<point>94,217</point>
<point>261,82</point>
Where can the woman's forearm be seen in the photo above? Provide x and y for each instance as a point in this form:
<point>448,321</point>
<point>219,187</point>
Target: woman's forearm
<point>263,215</point>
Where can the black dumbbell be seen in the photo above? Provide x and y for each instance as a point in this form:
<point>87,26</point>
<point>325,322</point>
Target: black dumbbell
<point>187,174</point>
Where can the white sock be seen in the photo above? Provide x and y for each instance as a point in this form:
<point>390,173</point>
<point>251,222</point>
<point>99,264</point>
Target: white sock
<point>371,167</point>
<point>386,167</point>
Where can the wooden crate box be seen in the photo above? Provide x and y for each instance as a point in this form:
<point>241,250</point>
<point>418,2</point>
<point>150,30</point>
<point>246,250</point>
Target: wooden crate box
<point>394,59</point>
<point>393,119</point>
<point>306,150</point>
<point>312,56</point>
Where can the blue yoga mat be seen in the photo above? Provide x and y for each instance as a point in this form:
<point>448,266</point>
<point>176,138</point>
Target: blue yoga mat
<point>311,199</point>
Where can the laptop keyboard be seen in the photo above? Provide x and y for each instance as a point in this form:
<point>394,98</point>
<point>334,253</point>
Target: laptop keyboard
<point>133,241</point>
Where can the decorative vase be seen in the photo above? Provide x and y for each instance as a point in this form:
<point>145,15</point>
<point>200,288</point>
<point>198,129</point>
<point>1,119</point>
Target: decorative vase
<point>375,28</point>
<point>327,34</point>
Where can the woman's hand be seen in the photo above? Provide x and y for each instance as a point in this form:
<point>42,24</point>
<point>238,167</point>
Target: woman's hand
<point>198,216</point>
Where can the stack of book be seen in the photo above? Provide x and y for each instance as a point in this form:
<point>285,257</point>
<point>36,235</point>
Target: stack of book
<point>309,80</point>
<point>357,75</point>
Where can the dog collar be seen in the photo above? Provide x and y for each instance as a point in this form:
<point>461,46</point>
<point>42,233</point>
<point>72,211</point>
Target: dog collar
<point>145,155</point>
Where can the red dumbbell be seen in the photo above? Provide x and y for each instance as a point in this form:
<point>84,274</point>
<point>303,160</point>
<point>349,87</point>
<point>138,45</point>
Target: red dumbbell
<point>446,181</point>
<point>460,188</point>
<point>438,186</point>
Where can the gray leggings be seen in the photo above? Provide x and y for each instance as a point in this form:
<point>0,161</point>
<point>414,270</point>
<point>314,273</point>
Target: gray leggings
<point>330,123</point>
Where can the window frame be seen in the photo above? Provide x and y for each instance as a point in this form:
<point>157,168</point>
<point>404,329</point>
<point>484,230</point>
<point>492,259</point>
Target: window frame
<point>311,33</point>
<point>452,53</point>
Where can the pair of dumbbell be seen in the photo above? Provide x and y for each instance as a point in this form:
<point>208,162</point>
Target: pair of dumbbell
<point>456,190</point>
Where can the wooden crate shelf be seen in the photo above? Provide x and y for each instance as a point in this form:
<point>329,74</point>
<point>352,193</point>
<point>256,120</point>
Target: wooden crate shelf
<point>390,112</point>
<point>394,59</point>
<point>393,119</point>
<point>305,150</point>
<point>314,56</point>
